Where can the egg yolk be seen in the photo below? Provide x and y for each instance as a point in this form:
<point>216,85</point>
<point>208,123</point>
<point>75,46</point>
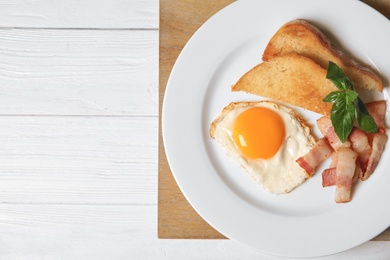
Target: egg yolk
<point>259,132</point>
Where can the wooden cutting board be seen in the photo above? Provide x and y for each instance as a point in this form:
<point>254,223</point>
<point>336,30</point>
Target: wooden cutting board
<point>179,19</point>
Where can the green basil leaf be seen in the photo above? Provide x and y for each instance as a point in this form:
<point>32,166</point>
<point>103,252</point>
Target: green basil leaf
<point>342,115</point>
<point>364,119</point>
<point>333,96</point>
<point>334,72</point>
<point>347,105</point>
<point>351,95</point>
<point>337,76</point>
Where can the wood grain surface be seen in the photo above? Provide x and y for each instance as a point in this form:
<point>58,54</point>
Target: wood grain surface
<point>382,6</point>
<point>178,22</point>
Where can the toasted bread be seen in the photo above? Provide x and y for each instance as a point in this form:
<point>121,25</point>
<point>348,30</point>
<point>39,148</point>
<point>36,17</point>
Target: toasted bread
<point>293,79</point>
<point>301,37</point>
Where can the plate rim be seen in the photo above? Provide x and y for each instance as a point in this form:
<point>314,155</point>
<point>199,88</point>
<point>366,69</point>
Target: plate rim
<point>169,150</point>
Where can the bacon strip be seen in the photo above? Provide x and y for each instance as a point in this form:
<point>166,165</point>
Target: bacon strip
<point>345,171</point>
<point>357,157</point>
<point>333,162</point>
<point>358,172</point>
<point>378,144</point>
<point>326,128</point>
<point>329,175</point>
<point>377,110</point>
<point>319,152</point>
<point>360,144</point>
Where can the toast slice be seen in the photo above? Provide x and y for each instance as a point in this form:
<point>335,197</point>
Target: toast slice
<point>301,37</point>
<point>291,78</point>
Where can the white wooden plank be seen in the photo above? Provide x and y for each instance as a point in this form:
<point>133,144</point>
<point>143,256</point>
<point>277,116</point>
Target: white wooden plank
<point>76,231</point>
<point>227,249</point>
<point>119,232</point>
<point>79,14</point>
<point>78,72</point>
<point>79,160</point>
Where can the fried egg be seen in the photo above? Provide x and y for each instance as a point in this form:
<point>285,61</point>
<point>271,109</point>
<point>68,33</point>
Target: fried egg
<point>266,139</point>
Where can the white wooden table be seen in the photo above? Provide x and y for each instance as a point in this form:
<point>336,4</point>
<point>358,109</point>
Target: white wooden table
<point>78,136</point>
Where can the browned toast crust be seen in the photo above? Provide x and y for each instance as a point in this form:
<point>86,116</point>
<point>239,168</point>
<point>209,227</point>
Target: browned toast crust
<point>293,79</point>
<point>301,37</point>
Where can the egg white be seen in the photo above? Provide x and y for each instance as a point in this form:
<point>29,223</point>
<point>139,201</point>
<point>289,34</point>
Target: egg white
<point>281,173</point>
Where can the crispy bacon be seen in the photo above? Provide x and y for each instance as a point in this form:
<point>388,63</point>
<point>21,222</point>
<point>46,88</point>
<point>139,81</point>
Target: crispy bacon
<point>319,152</point>
<point>356,158</point>
<point>360,144</point>
<point>358,172</point>
<point>327,129</point>
<point>345,171</point>
<point>377,110</point>
<point>378,144</point>
<point>329,175</point>
<point>333,162</point>
<point>324,123</point>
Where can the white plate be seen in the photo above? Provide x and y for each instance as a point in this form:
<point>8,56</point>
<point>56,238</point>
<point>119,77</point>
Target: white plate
<point>306,222</point>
